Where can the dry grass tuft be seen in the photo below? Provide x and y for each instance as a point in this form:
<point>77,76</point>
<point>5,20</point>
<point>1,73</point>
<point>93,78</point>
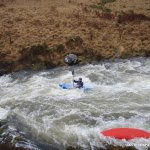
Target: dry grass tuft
<point>131,17</point>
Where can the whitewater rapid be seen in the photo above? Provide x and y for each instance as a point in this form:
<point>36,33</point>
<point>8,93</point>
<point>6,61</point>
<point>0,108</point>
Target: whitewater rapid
<point>35,104</point>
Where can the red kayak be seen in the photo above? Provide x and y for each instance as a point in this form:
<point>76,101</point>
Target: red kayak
<point>126,133</point>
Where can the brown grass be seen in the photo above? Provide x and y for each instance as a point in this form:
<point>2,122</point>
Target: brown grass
<point>24,23</point>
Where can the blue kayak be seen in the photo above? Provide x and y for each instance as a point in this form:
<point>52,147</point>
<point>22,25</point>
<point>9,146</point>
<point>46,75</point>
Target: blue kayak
<point>70,86</point>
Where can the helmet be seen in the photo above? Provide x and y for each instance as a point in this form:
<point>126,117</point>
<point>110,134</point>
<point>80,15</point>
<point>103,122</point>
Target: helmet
<point>80,79</point>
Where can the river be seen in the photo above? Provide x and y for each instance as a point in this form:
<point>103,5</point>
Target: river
<point>49,115</point>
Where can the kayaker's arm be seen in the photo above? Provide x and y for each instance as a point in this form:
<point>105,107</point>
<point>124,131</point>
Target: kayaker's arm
<point>75,81</point>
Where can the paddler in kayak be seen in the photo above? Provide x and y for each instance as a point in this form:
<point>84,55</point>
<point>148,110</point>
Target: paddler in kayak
<point>79,83</point>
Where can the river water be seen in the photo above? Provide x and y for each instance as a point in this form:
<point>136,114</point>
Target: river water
<point>49,115</point>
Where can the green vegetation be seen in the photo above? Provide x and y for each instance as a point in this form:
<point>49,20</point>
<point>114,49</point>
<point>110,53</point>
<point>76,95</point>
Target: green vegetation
<point>18,138</point>
<point>1,131</point>
<point>101,5</point>
<point>103,2</point>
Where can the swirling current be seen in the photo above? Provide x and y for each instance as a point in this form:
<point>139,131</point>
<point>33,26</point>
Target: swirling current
<point>49,115</point>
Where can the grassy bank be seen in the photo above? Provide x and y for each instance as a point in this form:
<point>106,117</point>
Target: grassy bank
<point>110,29</point>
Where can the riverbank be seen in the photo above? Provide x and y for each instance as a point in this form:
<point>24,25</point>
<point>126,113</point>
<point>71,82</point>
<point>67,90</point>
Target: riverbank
<point>38,34</point>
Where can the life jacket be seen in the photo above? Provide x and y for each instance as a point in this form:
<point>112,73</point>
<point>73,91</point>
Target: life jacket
<point>79,84</point>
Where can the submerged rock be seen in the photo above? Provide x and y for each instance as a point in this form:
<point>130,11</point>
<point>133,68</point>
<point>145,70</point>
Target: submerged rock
<point>11,139</point>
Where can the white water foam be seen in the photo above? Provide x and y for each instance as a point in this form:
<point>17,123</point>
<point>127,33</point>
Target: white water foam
<point>3,113</point>
<point>120,98</point>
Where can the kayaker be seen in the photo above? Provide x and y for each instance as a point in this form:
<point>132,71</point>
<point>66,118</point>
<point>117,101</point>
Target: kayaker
<point>79,83</point>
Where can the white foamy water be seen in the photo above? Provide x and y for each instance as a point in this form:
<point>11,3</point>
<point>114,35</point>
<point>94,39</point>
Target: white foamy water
<point>3,114</point>
<point>120,98</point>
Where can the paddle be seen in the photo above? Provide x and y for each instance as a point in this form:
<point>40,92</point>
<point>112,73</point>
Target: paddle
<point>73,77</point>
